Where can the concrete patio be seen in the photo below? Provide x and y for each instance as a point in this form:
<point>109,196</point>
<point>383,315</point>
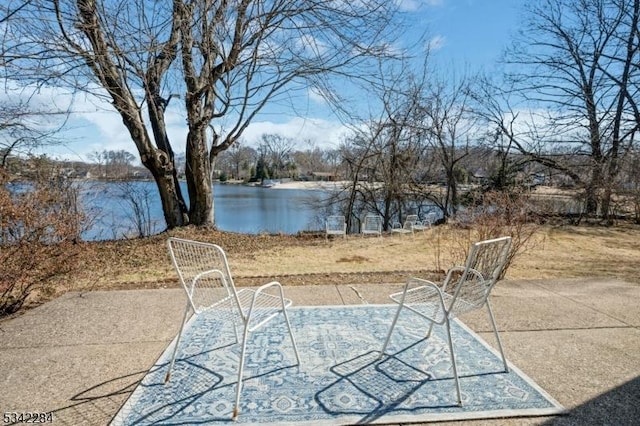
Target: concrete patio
<point>80,356</point>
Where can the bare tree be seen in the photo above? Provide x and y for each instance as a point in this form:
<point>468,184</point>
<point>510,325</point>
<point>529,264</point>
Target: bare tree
<point>236,159</point>
<point>99,158</point>
<point>385,152</point>
<point>226,60</point>
<point>23,128</point>
<point>278,150</point>
<point>449,128</point>
<point>119,162</point>
<point>24,124</point>
<point>575,63</point>
<point>314,159</point>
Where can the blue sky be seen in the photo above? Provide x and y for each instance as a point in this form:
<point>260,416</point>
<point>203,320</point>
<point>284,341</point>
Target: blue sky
<point>464,34</point>
<point>473,32</point>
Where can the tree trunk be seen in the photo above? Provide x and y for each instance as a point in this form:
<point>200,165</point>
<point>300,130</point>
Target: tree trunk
<point>591,200</point>
<point>198,174</point>
<point>173,207</point>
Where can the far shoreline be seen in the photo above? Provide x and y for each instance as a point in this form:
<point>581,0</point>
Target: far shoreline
<point>538,191</point>
<point>311,185</point>
<point>293,184</point>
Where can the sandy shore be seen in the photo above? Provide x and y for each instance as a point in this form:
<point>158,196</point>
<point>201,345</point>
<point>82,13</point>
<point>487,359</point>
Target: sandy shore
<point>540,191</point>
<point>311,185</point>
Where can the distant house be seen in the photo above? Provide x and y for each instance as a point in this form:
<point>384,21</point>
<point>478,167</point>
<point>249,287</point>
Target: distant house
<point>140,173</point>
<point>323,176</point>
<point>479,177</point>
<point>82,174</point>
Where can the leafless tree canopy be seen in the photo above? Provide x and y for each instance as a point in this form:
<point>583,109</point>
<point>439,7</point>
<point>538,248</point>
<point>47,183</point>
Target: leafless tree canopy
<point>575,62</point>
<point>224,59</point>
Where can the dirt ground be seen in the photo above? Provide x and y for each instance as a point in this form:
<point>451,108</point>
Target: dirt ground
<point>552,252</point>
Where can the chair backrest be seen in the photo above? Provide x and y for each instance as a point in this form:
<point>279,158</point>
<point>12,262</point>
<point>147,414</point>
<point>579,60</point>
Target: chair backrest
<point>483,268</point>
<point>203,271</point>
<point>372,224</point>
<point>410,221</point>
<point>336,224</point>
<point>429,219</point>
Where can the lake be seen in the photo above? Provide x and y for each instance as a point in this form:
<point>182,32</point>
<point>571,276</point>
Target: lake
<point>238,208</point>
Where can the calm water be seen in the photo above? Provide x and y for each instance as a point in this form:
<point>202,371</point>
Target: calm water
<point>238,208</point>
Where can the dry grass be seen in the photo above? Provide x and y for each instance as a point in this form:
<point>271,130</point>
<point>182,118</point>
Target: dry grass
<point>555,252</point>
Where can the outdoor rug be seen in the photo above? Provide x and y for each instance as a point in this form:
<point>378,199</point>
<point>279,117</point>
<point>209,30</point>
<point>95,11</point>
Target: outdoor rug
<point>341,379</point>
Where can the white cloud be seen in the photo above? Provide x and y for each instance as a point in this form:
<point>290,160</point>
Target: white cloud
<point>103,130</point>
<point>325,134</point>
<point>436,43</point>
<point>94,125</point>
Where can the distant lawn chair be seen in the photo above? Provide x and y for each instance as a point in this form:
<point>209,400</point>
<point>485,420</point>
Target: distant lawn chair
<point>407,227</point>
<point>372,225</point>
<point>204,273</point>
<point>336,225</point>
<point>465,289</point>
<point>427,223</point>
<point>464,218</point>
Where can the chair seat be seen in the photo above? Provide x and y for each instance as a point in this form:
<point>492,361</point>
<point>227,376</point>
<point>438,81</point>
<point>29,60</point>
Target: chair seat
<point>420,227</point>
<point>267,306</point>
<point>401,231</point>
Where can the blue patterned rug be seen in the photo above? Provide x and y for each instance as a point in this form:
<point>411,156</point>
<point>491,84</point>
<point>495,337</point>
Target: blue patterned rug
<point>340,381</point>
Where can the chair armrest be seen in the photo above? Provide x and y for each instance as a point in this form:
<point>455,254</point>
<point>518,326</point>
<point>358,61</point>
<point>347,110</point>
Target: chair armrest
<point>264,287</point>
<point>269,285</point>
<point>422,283</point>
<point>461,269</point>
<point>419,283</point>
<point>284,303</point>
<point>449,275</point>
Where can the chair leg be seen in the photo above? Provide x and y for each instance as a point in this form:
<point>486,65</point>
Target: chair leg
<point>430,330</point>
<point>393,325</point>
<point>175,348</point>
<point>432,322</point>
<point>293,340</point>
<point>236,407</point>
<point>235,314</point>
<point>453,361</point>
<point>495,331</point>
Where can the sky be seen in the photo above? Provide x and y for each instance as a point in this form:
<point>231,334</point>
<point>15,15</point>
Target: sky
<point>463,34</point>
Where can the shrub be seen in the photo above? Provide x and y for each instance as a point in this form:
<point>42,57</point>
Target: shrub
<point>40,225</point>
<point>500,214</point>
<point>137,198</point>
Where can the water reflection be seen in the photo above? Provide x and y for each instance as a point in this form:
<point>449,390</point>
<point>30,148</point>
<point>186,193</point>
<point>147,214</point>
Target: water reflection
<point>238,208</point>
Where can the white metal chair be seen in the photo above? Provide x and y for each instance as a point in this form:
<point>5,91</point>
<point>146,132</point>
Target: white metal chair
<point>204,273</point>
<point>425,224</point>
<point>372,225</point>
<point>407,227</point>
<point>465,288</point>
<point>336,225</point>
